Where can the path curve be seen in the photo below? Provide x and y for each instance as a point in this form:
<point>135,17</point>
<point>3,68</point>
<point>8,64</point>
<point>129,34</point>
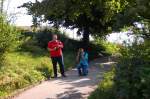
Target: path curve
<point>72,87</point>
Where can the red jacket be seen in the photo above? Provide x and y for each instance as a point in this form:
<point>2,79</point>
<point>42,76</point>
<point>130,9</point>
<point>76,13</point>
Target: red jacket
<point>52,45</point>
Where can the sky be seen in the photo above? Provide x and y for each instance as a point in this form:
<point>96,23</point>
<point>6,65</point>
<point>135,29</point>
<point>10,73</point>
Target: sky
<point>19,17</point>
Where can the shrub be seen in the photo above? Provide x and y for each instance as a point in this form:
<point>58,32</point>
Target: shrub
<point>23,70</point>
<point>133,72</point>
<point>95,51</point>
<point>46,69</point>
<point>131,78</point>
<point>7,38</point>
<point>43,37</point>
<point>100,47</point>
<point>109,48</point>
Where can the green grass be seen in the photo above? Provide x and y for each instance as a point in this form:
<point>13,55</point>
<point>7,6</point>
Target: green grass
<point>69,60</point>
<point>105,88</point>
<point>24,69</point>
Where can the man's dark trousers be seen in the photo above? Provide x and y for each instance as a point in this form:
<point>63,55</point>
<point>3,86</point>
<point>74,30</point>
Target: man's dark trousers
<point>60,61</point>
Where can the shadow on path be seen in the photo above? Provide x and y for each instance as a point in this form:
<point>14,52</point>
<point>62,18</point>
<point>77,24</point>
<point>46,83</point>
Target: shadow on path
<point>72,87</point>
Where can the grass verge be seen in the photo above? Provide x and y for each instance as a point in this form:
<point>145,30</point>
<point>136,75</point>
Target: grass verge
<point>24,69</point>
<point>105,88</point>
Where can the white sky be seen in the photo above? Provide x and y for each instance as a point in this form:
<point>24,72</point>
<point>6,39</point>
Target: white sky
<point>19,17</point>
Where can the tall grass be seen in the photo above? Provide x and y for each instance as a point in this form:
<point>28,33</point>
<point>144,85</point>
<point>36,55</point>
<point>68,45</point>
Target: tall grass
<point>25,69</point>
<point>8,38</point>
<point>22,70</point>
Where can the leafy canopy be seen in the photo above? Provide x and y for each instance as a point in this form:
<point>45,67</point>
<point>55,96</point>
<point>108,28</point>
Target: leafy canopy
<point>94,17</point>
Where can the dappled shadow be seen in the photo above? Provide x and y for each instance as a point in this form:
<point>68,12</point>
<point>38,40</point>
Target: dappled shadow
<point>77,84</point>
<point>71,94</point>
<point>76,81</point>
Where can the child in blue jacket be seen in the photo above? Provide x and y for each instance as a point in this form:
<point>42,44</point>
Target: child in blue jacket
<point>82,66</point>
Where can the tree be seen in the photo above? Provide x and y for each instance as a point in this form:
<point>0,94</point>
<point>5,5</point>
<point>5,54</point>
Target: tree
<point>8,38</point>
<point>143,8</point>
<point>35,23</point>
<point>91,17</point>
<point>135,11</point>
<point>1,6</point>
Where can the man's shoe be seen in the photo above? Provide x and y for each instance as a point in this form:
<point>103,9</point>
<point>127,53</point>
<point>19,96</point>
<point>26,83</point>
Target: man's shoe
<point>80,74</point>
<point>84,74</point>
<point>48,78</point>
<point>54,77</point>
<point>64,75</point>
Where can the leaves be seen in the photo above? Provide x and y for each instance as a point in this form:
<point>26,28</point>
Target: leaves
<point>8,38</point>
<point>91,16</point>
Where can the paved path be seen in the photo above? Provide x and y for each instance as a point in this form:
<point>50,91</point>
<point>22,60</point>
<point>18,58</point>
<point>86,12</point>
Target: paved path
<point>72,87</point>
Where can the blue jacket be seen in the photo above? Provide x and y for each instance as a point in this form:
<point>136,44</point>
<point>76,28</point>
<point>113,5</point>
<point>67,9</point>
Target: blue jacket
<point>84,59</point>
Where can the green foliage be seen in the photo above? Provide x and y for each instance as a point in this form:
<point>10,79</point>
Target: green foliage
<point>41,38</point>
<point>94,17</point>
<point>100,47</point>
<point>109,47</point>
<point>29,64</point>
<point>8,38</point>
<point>132,74</point>
<point>45,68</point>
<point>96,49</point>
<point>25,69</point>
<point>20,72</point>
<point>69,59</point>
<point>7,35</point>
<point>30,45</point>
<point>143,8</point>
<point>105,89</point>
<point>131,77</point>
<point>134,11</point>
<point>144,31</point>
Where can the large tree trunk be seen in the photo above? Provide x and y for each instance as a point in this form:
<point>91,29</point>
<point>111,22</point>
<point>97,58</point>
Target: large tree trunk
<point>85,42</point>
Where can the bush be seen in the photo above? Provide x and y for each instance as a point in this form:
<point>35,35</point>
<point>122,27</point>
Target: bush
<point>7,37</point>
<point>96,49</point>
<point>109,48</point>
<point>43,37</point>
<point>69,59</point>
<point>133,72</point>
<point>131,78</point>
<point>100,48</point>
<point>46,69</point>
<point>23,70</point>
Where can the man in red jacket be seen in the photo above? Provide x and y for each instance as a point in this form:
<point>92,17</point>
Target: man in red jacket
<point>55,47</point>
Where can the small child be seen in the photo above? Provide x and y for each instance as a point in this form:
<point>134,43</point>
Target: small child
<point>82,62</point>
